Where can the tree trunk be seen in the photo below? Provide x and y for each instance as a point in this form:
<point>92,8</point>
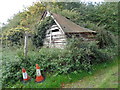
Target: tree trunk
<point>26,44</point>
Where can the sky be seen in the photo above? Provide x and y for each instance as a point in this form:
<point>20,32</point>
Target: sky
<point>10,7</point>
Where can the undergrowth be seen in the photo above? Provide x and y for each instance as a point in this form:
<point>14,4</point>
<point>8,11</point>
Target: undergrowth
<point>52,81</point>
<point>56,61</point>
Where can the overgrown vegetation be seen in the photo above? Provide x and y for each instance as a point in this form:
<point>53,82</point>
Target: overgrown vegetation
<point>76,57</point>
<point>106,38</point>
<point>40,31</point>
<point>53,81</point>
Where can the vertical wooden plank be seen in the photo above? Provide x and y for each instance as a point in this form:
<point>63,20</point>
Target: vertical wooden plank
<point>26,44</point>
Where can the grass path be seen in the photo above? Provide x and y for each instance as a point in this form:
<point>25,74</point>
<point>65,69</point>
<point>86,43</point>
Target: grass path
<point>107,78</point>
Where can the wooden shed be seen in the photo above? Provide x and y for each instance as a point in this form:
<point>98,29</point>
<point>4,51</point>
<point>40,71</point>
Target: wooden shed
<point>57,34</point>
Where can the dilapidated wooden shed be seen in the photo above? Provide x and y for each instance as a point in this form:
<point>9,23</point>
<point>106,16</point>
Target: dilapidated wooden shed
<point>57,34</point>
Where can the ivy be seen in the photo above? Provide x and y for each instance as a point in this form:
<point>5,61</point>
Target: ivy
<point>40,28</point>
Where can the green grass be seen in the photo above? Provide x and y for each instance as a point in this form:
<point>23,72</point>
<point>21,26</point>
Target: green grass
<point>105,78</point>
<point>111,79</point>
<point>104,75</point>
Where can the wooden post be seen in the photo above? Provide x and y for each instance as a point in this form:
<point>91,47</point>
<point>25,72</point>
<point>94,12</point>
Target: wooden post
<point>26,44</point>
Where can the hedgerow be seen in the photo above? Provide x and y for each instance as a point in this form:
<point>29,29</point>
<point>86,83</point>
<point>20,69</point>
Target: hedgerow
<point>56,61</point>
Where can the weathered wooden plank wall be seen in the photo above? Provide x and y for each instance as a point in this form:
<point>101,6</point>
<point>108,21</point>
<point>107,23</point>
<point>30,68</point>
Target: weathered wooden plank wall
<point>55,38</point>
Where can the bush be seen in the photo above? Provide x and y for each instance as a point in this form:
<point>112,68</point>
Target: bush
<point>77,56</point>
<point>106,39</point>
<point>87,53</point>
